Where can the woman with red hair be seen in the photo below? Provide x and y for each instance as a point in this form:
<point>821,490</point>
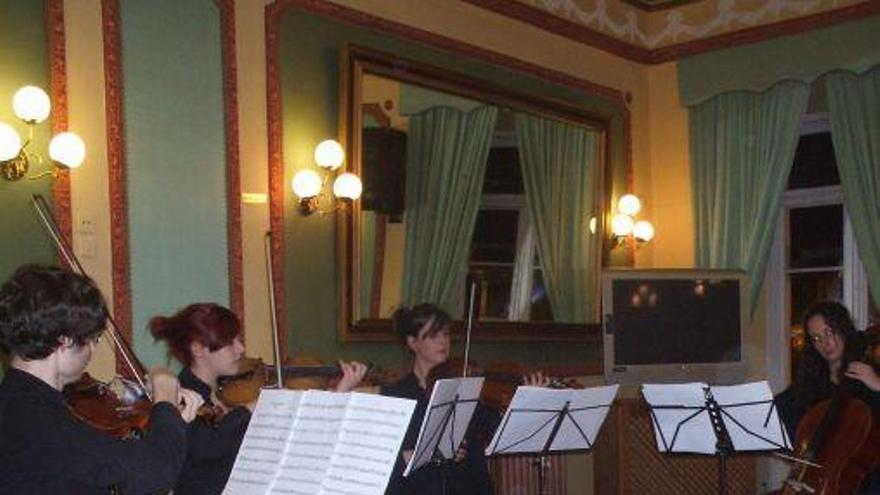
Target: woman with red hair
<point>206,339</point>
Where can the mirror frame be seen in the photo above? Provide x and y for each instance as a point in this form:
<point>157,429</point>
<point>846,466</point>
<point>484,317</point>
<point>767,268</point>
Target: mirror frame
<point>355,61</point>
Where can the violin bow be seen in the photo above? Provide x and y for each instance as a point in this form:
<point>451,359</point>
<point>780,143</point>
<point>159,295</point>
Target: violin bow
<point>470,323</point>
<point>274,316</point>
<point>47,220</point>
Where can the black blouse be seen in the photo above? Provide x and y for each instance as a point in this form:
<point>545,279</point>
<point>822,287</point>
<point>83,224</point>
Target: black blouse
<point>469,477</point>
<point>45,449</point>
<point>211,448</point>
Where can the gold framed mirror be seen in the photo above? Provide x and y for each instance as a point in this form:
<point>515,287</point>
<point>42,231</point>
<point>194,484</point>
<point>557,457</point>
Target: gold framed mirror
<point>386,104</point>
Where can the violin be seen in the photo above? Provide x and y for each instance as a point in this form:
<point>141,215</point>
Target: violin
<point>840,437</point>
<point>122,407</point>
<point>500,380</point>
<point>255,375</point>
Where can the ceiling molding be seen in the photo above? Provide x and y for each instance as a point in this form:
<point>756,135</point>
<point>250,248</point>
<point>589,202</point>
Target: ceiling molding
<point>596,39</point>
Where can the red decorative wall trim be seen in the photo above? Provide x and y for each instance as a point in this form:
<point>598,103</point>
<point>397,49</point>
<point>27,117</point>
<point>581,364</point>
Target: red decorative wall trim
<point>591,37</point>
<point>276,168</point>
<point>58,93</point>
<point>233,167</point>
<point>116,173</point>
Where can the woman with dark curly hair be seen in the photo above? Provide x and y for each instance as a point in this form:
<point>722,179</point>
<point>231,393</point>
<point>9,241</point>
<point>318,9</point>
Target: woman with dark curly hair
<point>833,358</point>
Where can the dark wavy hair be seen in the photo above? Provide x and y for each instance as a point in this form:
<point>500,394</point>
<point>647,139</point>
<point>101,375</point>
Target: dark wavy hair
<point>408,322</point>
<point>209,324</point>
<point>41,304</point>
<point>814,377</point>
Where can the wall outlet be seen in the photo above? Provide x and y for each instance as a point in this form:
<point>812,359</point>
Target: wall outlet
<point>86,223</point>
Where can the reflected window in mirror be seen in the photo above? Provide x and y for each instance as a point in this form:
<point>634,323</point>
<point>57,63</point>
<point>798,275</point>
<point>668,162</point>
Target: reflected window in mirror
<point>504,265</point>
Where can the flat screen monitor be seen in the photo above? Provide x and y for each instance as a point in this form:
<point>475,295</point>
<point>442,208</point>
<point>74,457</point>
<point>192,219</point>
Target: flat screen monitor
<point>663,326</point>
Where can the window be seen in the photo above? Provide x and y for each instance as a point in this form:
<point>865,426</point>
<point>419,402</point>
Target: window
<point>503,259</point>
<point>814,256</point>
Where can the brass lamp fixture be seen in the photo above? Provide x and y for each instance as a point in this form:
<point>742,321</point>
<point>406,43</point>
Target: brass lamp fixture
<point>311,187</point>
<point>31,104</point>
<point>625,229</point>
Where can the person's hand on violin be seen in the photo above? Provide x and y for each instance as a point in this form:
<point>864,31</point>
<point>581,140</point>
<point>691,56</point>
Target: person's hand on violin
<point>461,453</point>
<point>188,403</point>
<point>864,373</point>
<point>536,379</point>
<point>164,386</point>
<point>352,374</point>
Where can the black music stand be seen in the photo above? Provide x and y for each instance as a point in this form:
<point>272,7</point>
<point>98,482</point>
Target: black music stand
<point>706,424</point>
<point>447,417</point>
<point>540,421</point>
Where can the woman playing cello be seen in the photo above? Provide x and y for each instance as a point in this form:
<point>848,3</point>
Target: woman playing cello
<point>834,359</point>
<point>206,339</point>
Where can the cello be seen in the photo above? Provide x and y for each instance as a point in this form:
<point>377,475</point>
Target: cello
<point>839,438</point>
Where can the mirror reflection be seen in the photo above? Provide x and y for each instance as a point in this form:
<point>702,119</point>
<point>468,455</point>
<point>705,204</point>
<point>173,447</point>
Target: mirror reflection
<point>461,193</point>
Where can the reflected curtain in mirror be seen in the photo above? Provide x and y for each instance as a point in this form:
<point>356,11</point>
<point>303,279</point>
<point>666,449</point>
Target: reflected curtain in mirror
<point>446,162</point>
<point>559,161</point>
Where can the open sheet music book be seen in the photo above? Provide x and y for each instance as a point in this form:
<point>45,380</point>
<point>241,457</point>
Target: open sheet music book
<point>680,414</point>
<point>447,416</point>
<point>541,420</point>
<point>315,442</point>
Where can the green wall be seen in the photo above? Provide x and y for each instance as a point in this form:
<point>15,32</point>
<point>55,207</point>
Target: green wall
<point>853,46</point>
<point>175,158</point>
<point>24,59</point>
<point>309,61</point>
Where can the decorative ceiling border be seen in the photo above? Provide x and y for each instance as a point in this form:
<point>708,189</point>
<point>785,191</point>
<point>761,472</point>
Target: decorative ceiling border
<point>596,39</point>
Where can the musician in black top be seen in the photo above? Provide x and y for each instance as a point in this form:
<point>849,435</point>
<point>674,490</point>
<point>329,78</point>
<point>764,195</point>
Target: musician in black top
<point>50,321</point>
<point>833,358</point>
<point>207,339</point>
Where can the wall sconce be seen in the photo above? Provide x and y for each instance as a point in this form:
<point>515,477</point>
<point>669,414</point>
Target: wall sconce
<point>309,186</point>
<point>31,105</point>
<point>624,226</point>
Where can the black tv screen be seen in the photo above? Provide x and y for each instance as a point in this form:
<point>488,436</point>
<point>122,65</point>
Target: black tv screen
<point>675,321</point>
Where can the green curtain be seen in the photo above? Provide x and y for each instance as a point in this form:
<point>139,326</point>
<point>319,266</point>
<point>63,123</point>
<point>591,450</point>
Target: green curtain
<point>742,146</point>
<point>559,164</point>
<point>854,110</point>
<point>446,158</point>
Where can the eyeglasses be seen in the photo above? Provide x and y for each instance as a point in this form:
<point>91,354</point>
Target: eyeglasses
<point>826,334</point>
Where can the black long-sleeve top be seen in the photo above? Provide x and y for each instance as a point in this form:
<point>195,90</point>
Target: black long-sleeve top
<point>469,477</point>
<point>45,449</point>
<point>211,448</point>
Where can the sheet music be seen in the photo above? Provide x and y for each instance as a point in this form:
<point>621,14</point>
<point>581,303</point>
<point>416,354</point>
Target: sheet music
<point>680,419</point>
<point>453,396</point>
<point>312,443</point>
<point>750,416</point>
<point>264,443</point>
<point>534,411</point>
<point>368,445</point>
<point>316,442</point>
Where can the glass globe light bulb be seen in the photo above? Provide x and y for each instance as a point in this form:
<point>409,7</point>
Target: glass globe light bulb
<point>329,154</point>
<point>643,230</point>
<point>593,223</point>
<point>67,149</point>
<point>306,183</point>
<point>629,204</point>
<point>10,142</point>
<point>622,225</point>
<point>31,104</point>
<point>348,186</point>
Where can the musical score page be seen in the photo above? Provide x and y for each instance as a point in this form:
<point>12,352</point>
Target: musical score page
<point>264,443</point>
<point>317,442</point>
